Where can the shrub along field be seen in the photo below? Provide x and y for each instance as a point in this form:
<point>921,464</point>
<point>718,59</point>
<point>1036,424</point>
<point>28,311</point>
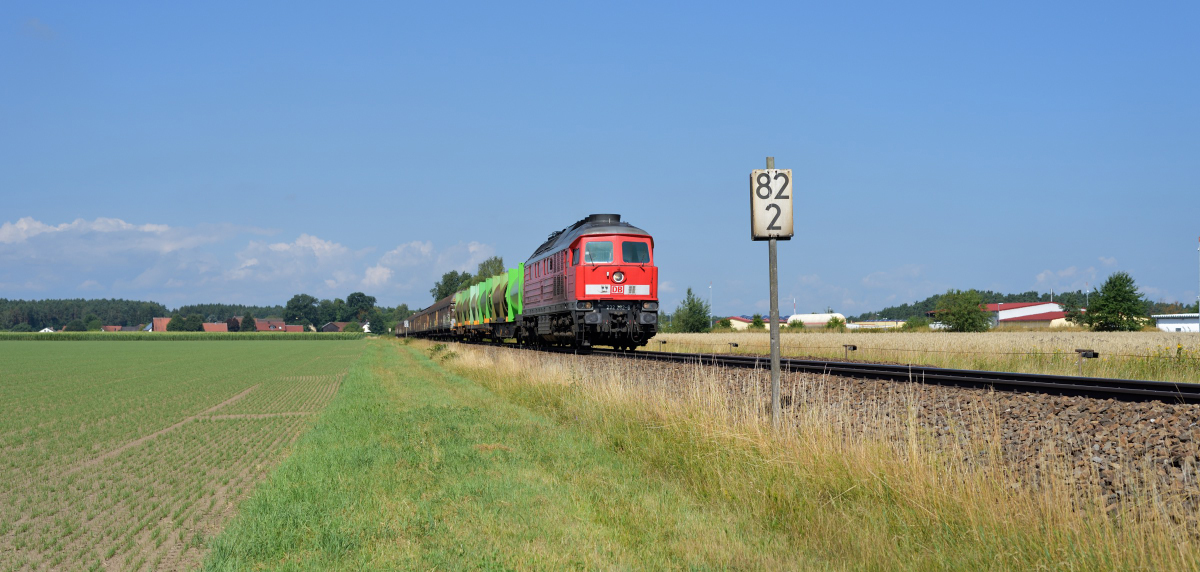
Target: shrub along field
<point>1155,355</point>
<point>132,456</point>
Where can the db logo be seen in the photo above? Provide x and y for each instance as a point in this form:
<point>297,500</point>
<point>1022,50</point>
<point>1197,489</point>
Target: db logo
<point>618,289</point>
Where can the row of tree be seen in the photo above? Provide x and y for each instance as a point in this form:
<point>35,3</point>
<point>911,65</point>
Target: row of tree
<point>1077,299</point>
<point>33,315</point>
<point>1117,306</point>
<point>453,281</point>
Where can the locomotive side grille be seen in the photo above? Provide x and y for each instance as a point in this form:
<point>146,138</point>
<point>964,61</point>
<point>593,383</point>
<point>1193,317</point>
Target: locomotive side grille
<point>560,285</point>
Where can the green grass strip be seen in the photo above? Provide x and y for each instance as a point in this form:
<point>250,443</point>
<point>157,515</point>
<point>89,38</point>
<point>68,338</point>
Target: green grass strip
<point>413,467</point>
<point>175,336</point>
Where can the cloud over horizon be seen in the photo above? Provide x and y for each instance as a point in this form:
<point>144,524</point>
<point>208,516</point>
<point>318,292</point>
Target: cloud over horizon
<point>111,257</point>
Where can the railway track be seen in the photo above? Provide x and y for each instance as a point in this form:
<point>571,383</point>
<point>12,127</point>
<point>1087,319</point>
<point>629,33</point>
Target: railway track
<point>1091,387</point>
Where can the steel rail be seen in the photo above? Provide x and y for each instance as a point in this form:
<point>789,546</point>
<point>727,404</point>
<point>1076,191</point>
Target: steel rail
<point>1092,387</point>
<point>1132,390</point>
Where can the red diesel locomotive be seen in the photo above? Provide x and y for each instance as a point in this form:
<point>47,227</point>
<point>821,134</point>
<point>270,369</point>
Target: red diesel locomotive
<point>592,283</point>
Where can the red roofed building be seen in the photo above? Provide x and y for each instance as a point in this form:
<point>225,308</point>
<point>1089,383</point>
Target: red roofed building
<point>110,328</point>
<point>266,325</point>
<point>334,326</point>
<point>1030,314</point>
<point>216,327</point>
<point>291,328</point>
<point>159,324</point>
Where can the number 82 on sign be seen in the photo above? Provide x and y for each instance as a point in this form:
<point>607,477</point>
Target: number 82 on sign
<point>771,204</point>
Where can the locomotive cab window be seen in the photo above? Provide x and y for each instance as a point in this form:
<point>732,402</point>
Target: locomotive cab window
<point>574,257</point>
<point>635,253</point>
<point>600,252</point>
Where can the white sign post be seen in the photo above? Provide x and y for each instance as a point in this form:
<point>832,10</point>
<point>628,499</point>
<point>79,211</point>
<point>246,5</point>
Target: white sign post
<point>770,220</point>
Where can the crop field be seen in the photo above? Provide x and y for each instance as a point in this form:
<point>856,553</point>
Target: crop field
<point>1162,356</point>
<point>132,456</point>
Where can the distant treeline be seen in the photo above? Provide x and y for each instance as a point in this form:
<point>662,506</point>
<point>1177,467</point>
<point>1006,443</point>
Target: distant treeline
<point>1075,299</point>
<point>222,312</point>
<point>38,314</point>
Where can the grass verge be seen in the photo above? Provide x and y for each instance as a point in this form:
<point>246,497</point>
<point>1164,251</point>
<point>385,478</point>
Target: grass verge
<point>830,491</point>
<point>412,466</point>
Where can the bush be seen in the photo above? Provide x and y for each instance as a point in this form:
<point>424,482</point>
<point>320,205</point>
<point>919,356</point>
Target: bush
<point>22,327</point>
<point>1117,307</point>
<point>756,323</point>
<point>75,326</point>
<point>963,311</point>
<point>353,327</point>
<point>725,324</point>
<point>692,315</point>
<point>836,323</point>
<point>915,323</point>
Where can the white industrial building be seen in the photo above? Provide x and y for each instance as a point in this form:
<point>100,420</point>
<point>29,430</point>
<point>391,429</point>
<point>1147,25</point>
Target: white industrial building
<point>1177,322</point>
<point>814,320</point>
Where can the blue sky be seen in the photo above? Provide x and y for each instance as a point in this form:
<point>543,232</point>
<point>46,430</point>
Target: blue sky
<point>245,152</point>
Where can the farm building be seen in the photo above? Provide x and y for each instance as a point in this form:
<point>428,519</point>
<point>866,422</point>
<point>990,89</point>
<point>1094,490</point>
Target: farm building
<point>159,324</point>
<point>814,320</point>
<point>1177,322</point>
<point>334,326</point>
<point>46,331</point>
<point>875,324</point>
<point>110,328</point>
<point>1029,314</point>
<point>216,327</point>
<point>743,322</point>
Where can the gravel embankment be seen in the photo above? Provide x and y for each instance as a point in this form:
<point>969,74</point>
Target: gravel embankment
<point>1112,444</point>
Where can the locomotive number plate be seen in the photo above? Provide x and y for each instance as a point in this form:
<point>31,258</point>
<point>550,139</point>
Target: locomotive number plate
<point>617,289</point>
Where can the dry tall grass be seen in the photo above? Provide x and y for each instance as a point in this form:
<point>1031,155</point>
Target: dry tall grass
<point>853,485</point>
<point>1128,355</point>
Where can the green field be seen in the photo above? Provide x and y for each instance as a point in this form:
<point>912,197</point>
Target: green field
<point>131,456</point>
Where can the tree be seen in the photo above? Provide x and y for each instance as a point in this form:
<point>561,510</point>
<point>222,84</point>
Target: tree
<point>22,327</point>
<point>1117,307</point>
<point>835,323</point>
<point>493,266</point>
<point>358,305</point>
<point>232,324</point>
<point>181,323</point>
<point>963,311</point>
<point>300,309</point>
<point>92,322</point>
<point>756,322</point>
<point>248,324</point>
<point>725,323</point>
<point>75,326</point>
<point>916,323</point>
<point>353,327</point>
<point>692,314</point>
<point>376,322</point>
<point>450,283</point>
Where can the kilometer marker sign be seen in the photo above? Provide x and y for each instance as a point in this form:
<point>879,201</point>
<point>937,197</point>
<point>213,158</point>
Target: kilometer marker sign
<point>771,204</point>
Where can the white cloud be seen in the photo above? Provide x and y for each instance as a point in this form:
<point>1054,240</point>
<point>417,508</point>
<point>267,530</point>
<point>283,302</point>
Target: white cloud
<point>190,264</point>
<point>1108,260</point>
<point>377,276</point>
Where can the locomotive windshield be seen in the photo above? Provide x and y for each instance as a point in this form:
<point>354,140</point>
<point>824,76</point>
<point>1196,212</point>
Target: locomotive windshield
<point>598,252</point>
<point>635,252</point>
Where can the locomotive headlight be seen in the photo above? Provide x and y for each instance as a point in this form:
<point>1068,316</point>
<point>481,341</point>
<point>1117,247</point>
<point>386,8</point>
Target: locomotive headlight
<point>618,277</point>
<point>649,306</point>
<point>582,305</point>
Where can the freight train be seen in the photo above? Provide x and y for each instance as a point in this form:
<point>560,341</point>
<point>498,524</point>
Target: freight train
<point>592,283</point>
